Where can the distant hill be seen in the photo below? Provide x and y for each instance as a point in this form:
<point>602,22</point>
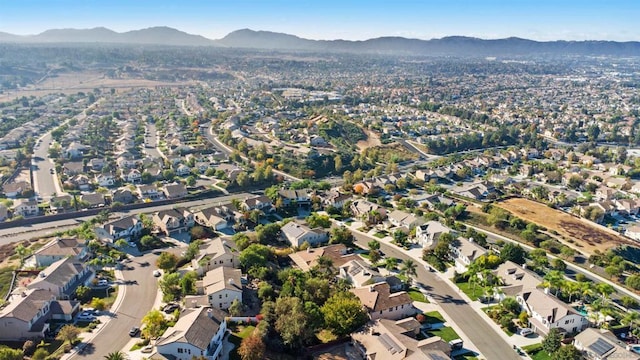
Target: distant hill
<point>246,38</point>
<point>155,35</point>
<point>453,45</point>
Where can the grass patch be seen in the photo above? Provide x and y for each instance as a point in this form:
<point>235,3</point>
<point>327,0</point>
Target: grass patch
<point>433,317</point>
<point>380,235</point>
<point>6,274</point>
<point>446,333</point>
<point>466,357</point>
<point>535,352</point>
<point>416,295</point>
<point>473,291</point>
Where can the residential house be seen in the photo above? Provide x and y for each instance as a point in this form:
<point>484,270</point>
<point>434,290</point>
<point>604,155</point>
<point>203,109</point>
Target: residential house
<point>217,217</point>
<point>93,200</point>
<point>434,201</point>
<point>80,181</point>
<point>297,234</point>
<point>596,344</point>
<point>222,286</point>
<point>465,252</point>
<point>547,312</point>
<point>381,303</point>
<point>173,221</point>
<point>132,175</point>
<point>627,206</point>
<point>174,191</point>
<point>124,228</point>
<point>15,189</point>
<point>336,199</point>
<point>215,253</point>
<point>62,277</point>
<point>26,317</point>
<point>427,234</point>
<point>150,192</point>
<point>123,196</point>
<point>337,253</point>
<point>105,180</point>
<point>398,340</point>
<point>73,168</point>
<point>633,232</point>
<point>358,273</point>
<point>74,150</point>
<point>401,218</point>
<point>55,250</point>
<point>515,279</point>
<point>299,197</point>
<point>198,333</point>
<point>368,211</point>
<point>261,202</point>
<point>183,170</point>
<point>25,207</point>
<point>96,164</point>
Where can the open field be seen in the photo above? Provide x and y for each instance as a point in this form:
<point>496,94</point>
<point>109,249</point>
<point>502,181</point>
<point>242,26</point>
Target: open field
<point>71,83</point>
<point>587,237</point>
<point>372,140</point>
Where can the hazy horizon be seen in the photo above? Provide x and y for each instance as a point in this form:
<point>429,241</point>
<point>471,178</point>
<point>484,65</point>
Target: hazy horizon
<point>542,20</point>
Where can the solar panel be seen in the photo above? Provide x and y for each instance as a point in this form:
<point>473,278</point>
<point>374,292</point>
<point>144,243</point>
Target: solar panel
<point>389,344</point>
<point>601,347</point>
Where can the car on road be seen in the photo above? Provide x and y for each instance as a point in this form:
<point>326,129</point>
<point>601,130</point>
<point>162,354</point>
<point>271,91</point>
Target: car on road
<point>134,331</point>
<point>157,273</point>
<point>51,171</point>
<point>526,332</point>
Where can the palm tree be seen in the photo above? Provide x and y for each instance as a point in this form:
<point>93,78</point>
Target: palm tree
<point>324,265</point>
<point>553,280</point>
<point>115,356</point>
<point>409,269</point>
<point>605,290</point>
<point>571,288</point>
<point>390,263</point>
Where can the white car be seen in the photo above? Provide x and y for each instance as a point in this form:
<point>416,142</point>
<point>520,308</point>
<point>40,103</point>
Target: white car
<point>103,282</point>
<point>526,332</point>
<point>157,273</point>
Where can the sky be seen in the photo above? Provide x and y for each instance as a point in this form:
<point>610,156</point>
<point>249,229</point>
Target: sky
<point>339,19</point>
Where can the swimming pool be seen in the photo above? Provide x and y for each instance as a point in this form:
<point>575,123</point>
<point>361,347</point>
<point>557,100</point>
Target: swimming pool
<point>635,349</point>
<point>582,310</point>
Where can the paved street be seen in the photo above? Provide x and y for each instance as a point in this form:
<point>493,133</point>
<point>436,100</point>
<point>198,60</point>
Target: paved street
<point>137,300</point>
<point>45,184</point>
<point>483,336</point>
<point>151,142</point>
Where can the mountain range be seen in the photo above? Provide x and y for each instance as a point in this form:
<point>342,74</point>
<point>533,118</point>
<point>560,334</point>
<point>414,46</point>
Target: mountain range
<point>266,40</point>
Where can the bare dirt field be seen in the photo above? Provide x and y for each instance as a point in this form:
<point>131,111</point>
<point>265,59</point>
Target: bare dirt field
<point>71,83</point>
<point>586,236</point>
<point>372,140</point>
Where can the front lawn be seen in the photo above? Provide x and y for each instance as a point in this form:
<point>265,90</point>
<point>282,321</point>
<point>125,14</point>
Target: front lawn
<point>380,234</point>
<point>472,291</point>
<point>446,333</point>
<point>433,317</point>
<point>535,352</point>
<point>416,295</point>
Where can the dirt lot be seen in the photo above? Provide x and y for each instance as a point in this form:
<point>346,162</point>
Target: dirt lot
<point>587,237</point>
<point>372,140</point>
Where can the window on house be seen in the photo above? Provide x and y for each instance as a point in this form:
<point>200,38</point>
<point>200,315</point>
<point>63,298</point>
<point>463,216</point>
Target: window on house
<point>220,296</point>
<point>180,350</point>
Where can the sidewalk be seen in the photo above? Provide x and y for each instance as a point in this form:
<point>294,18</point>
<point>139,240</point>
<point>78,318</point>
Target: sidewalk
<point>416,254</point>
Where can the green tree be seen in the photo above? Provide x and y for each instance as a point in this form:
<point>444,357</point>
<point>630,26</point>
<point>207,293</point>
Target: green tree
<point>374,245</point>
<point>567,352</point>
<point>341,235</point>
<point>98,304</point>
<point>292,322</point>
<point>343,313</point>
<point>255,255</point>
<point>154,324</point>
<point>633,281</point>
<point>409,269</point>
<point>316,220</point>
<point>82,292</point>
<point>552,342</point>
<point>40,354</point>
<point>235,309</point>
<point>374,256</point>
<point>188,283</point>
<point>170,287</point>
<point>7,353</point>
<point>513,252</point>
<point>68,333</point>
<point>167,261</point>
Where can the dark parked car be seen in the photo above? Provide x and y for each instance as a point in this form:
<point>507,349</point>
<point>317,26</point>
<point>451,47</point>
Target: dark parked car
<point>134,331</point>
<point>169,308</point>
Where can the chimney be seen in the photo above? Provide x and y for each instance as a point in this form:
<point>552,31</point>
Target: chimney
<point>210,313</point>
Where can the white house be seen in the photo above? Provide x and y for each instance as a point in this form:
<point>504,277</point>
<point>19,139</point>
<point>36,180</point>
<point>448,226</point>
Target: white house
<point>105,180</point>
<point>198,332</point>
<point>124,228</point>
<point>25,317</point>
<point>465,252</point>
<point>602,345</point>
<point>297,234</point>
<point>427,234</point>
<point>25,207</point>
<point>215,253</point>
<point>222,286</point>
<point>547,312</point>
<point>62,277</point>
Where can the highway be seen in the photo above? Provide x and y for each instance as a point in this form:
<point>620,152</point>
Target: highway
<point>10,235</point>
<point>485,338</point>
